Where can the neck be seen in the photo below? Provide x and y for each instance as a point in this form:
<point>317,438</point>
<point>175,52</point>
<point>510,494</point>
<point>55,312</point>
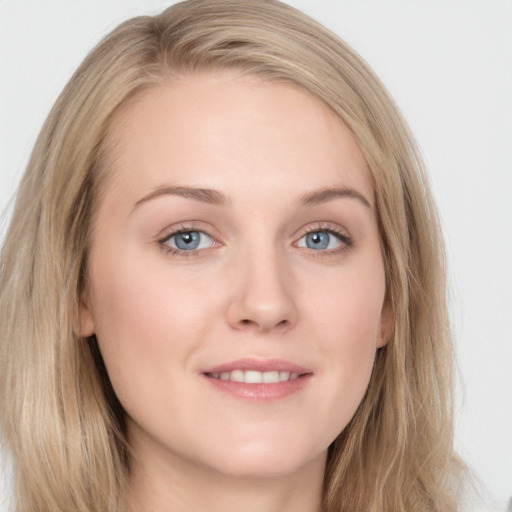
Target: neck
<point>184,486</point>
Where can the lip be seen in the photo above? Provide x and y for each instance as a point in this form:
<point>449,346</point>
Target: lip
<point>260,365</point>
<point>260,392</point>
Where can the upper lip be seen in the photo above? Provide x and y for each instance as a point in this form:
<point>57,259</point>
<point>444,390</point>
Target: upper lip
<point>261,365</point>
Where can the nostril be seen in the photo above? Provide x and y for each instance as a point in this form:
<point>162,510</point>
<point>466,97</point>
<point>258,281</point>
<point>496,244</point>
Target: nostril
<point>248,323</point>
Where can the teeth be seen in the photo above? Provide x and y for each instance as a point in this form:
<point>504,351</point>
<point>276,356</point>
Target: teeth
<point>252,377</point>
<point>270,377</point>
<point>255,377</point>
<point>237,376</point>
<point>284,375</point>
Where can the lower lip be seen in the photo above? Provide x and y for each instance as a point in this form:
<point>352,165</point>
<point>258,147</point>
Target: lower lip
<point>261,392</point>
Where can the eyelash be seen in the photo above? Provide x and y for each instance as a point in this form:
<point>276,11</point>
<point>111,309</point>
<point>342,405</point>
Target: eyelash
<point>163,242</point>
<point>346,241</point>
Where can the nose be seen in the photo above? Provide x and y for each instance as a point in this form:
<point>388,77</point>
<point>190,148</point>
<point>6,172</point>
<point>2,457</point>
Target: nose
<point>262,298</point>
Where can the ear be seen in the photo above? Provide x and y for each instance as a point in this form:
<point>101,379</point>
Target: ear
<point>387,323</point>
<point>83,325</point>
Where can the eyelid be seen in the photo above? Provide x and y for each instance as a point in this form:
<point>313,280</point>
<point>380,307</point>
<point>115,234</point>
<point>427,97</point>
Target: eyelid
<point>346,240</point>
<point>335,229</point>
<point>323,226</point>
<point>185,227</point>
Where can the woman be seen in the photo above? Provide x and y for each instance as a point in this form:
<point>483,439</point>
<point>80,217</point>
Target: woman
<point>223,282</point>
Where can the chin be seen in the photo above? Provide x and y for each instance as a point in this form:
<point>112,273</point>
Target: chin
<point>265,459</point>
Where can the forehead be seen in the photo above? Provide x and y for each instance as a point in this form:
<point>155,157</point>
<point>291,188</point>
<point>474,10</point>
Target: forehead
<point>222,130</point>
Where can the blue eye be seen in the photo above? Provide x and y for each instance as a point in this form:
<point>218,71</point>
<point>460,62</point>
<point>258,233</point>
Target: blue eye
<point>188,241</point>
<point>321,240</point>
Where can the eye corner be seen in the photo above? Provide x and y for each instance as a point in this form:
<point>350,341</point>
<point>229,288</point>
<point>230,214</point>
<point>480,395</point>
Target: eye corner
<point>186,241</point>
<point>324,239</point>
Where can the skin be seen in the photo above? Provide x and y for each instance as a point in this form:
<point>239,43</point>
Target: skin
<point>254,288</point>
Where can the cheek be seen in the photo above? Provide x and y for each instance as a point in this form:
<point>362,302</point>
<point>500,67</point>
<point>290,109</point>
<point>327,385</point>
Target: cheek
<point>134,295</point>
<point>350,310</point>
<point>353,339</point>
<point>146,322</point>
<point>350,322</point>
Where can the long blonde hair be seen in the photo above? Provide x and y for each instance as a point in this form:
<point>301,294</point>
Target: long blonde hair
<point>59,416</point>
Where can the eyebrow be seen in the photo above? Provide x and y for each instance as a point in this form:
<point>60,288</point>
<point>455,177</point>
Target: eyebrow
<point>324,195</point>
<point>215,197</point>
<point>204,195</point>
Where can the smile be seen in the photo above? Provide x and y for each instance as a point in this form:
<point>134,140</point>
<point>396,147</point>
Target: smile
<point>259,380</point>
<point>255,377</point>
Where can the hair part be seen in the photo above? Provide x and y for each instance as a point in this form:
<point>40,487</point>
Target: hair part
<point>59,415</point>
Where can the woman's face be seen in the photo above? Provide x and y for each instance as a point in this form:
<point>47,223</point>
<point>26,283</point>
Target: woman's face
<point>236,281</point>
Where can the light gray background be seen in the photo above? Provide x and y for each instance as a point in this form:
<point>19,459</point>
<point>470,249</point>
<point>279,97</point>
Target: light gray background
<point>448,64</point>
